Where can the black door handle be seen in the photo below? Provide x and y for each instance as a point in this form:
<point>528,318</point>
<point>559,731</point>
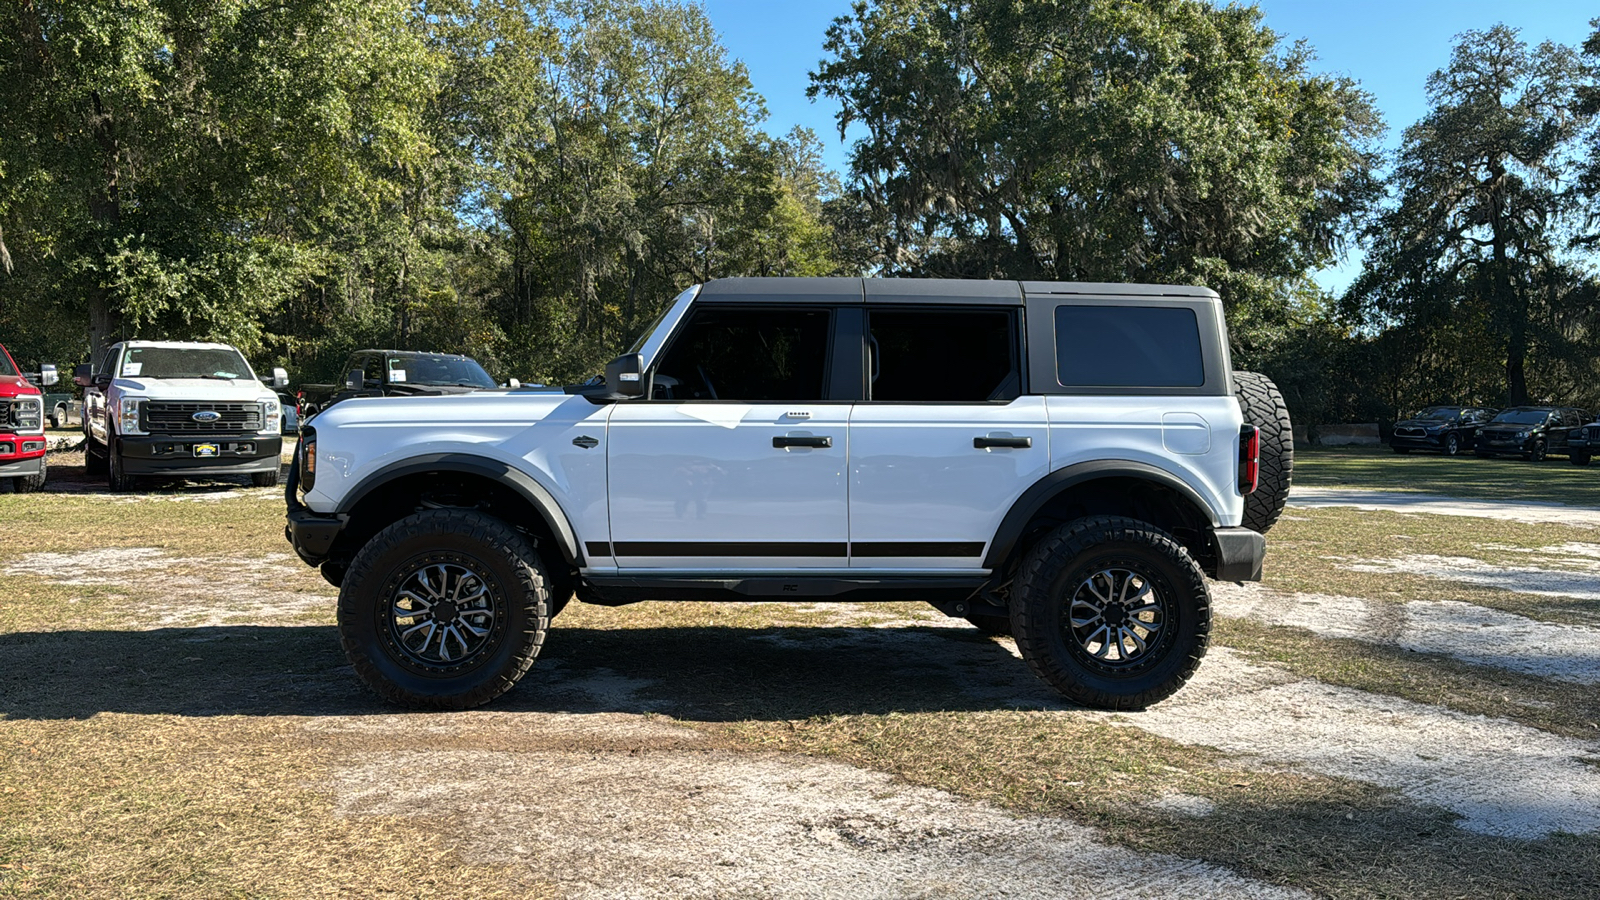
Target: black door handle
<point>784,441</point>
<point>988,441</point>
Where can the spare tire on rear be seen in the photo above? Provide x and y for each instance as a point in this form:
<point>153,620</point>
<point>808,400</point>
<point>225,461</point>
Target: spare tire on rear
<point>1264,408</point>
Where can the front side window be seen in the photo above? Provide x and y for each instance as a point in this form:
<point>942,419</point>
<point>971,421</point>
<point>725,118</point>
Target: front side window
<point>184,362</point>
<point>943,355</point>
<point>372,371</point>
<point>1128,346</point>
<point>770,355</point>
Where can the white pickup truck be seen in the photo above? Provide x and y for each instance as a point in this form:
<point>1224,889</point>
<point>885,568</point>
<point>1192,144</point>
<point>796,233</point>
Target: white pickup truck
<point>1066,463</point>
<point>179,408</point>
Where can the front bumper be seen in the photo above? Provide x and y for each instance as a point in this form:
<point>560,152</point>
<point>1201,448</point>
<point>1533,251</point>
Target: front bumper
<point>1489,447</point>
<point>236,454</point>
<point>1426,442</point>
<point>312,534</point>
<point>1240,553</point>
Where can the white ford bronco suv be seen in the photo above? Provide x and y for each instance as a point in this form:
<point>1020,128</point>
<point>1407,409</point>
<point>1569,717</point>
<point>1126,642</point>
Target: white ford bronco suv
<point>179,408</point>
<point>1066,463</point>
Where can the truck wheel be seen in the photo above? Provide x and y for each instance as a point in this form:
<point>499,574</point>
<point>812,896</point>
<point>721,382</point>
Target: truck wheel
<point>58,417</point>
<point>119,481</point>
<point>444,609</point>
<point>264,479</point>
<point>94,461</point>
<point>27,484</point>
<point>1264,408</point>
<point>1579,458</point>
<point>1112,612</point>
<point>1000,625</point>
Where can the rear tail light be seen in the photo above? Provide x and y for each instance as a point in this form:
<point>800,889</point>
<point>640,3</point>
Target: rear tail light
<point>1249,458</point>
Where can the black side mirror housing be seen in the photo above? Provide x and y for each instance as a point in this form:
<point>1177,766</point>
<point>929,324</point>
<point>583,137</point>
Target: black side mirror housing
<point>625,376</point>
<point>103,380</point>
<point>353,380</point>
<point>83,375</point>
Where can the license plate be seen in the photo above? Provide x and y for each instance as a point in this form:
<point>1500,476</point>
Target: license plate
<point>205,449</point>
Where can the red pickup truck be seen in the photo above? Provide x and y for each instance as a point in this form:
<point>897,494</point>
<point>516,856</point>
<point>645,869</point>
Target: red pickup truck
<point>21,428</point>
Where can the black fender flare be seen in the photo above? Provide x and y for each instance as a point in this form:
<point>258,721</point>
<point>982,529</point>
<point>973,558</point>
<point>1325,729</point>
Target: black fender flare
<point>1045,489</point>
<point>518,481</point>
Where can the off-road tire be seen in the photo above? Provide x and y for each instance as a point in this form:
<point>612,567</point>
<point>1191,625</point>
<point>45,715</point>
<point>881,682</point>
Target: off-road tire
<point>1535,453</point>
<point>1000,625</point>
<point>27,484</point>
<point>1580,458</point>
<point>512,574</point>
<point>117,480</point>
<point>1264,408</point>
<point>264,479</point>
<point>1052,572</point>
<point>94,460</point>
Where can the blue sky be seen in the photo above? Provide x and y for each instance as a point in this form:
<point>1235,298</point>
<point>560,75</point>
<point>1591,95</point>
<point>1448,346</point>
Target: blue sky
<point>1390,47</point>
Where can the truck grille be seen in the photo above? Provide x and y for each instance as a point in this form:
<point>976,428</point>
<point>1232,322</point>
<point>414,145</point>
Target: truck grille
<point>166,417</point>
<point>1409,432</point>
<point>1499,435</point>
<point>1592,433</point>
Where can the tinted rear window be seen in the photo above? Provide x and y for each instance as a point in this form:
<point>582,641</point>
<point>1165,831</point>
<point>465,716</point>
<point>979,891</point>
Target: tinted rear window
<point>1128,346</point>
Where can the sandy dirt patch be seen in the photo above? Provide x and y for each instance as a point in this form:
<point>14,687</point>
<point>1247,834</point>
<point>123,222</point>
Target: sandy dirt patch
<point>1503,779</point>
<point>717,824</point>
<point>1474,634</point>
<point>1437,504</point>
<point>185,591</point>
<point>1580,583</point>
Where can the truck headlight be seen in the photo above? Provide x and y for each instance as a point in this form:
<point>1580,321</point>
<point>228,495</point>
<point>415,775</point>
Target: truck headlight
<point>271,417</point>
<point>28,415</point>
<point>128,416</point>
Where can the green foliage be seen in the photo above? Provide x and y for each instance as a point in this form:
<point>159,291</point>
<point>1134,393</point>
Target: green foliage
<point>1096,140</point>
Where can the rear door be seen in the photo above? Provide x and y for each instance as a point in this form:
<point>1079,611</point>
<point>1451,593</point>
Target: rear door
<point>737,460</point>
<point>946,441</point>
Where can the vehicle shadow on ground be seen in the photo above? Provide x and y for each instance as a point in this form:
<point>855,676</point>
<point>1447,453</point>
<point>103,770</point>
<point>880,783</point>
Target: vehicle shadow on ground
<point>711,673</point>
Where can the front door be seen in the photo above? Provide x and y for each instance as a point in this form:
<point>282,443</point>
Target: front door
<point>736,462</point>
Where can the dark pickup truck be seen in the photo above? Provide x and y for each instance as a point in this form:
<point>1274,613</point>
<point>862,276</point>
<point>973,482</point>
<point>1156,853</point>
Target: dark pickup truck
<point>396,373</point>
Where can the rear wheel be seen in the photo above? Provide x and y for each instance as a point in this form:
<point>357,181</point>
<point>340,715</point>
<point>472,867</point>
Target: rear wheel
<point>1111,612</point>
<point>58,417</point>
<point>444,609</point>
<point>1263,407</point>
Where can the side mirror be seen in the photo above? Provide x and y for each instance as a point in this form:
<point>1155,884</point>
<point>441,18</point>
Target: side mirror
<point>280,378</point>
<point>48,375</point>
<point>83,375</point>
<point>513,383</point>
<point>353,380</point>
<point>625,375</point>
<point>102,381</point>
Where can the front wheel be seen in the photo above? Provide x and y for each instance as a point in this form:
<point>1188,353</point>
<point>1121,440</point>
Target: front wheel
<point>27,484</point>
<point>1452,445</point>
<point>1579,457</point>
<point>117,478</point>
<point>444,609</point>
<point>1111,612</point>
<point>1536,453</point>
<point>264,479</point>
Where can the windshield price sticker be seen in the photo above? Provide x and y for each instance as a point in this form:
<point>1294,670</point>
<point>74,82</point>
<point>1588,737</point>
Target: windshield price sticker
<point>132,369</point>
<point>397,375</point>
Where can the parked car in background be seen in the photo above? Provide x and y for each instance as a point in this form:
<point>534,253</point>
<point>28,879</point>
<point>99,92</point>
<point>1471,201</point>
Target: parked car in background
<point>61,408</point>
<point>1445,429</point>
<point>1582,443</point>
<point>22,447</point>
<point>1533,432</point>
<point>175,408</point>
<point>397,373</point>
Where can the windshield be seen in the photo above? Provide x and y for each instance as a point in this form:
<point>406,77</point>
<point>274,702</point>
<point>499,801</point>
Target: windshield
<point>1521,417</point>
<point>1439,412</point>
<point>418,368</point>
<point>6,367</point>
<point>184,362</point>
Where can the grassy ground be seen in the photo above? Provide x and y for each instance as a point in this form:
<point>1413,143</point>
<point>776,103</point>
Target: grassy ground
<point>174,706</point>
<point>1554,480</point>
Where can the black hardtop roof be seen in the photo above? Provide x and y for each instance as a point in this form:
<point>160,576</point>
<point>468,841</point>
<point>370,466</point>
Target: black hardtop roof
<point>926,290</point>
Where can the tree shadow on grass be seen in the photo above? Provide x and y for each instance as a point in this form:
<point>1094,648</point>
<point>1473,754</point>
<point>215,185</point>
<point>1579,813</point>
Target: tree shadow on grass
<point>707,673</point>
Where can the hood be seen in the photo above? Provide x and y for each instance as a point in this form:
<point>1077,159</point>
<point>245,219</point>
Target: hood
<point>494,409</point>
<point>17,386</point>
<point>238,390</point>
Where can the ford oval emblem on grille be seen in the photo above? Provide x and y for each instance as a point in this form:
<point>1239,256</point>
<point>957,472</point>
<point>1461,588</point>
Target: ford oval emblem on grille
<point>206,415</point>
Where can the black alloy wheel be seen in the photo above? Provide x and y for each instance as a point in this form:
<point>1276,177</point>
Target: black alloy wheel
<point>1536,453</point>
<point>1111,612</point>
<point>1452,444</point>
<point>444,609</point>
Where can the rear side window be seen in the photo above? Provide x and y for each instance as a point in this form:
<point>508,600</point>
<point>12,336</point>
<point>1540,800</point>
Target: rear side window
<point>1128,346</point>
<point>932,355</point>
<point>753,355</point>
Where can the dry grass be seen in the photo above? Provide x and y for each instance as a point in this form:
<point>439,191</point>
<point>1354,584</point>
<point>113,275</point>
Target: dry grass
<point>1554,480</point>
